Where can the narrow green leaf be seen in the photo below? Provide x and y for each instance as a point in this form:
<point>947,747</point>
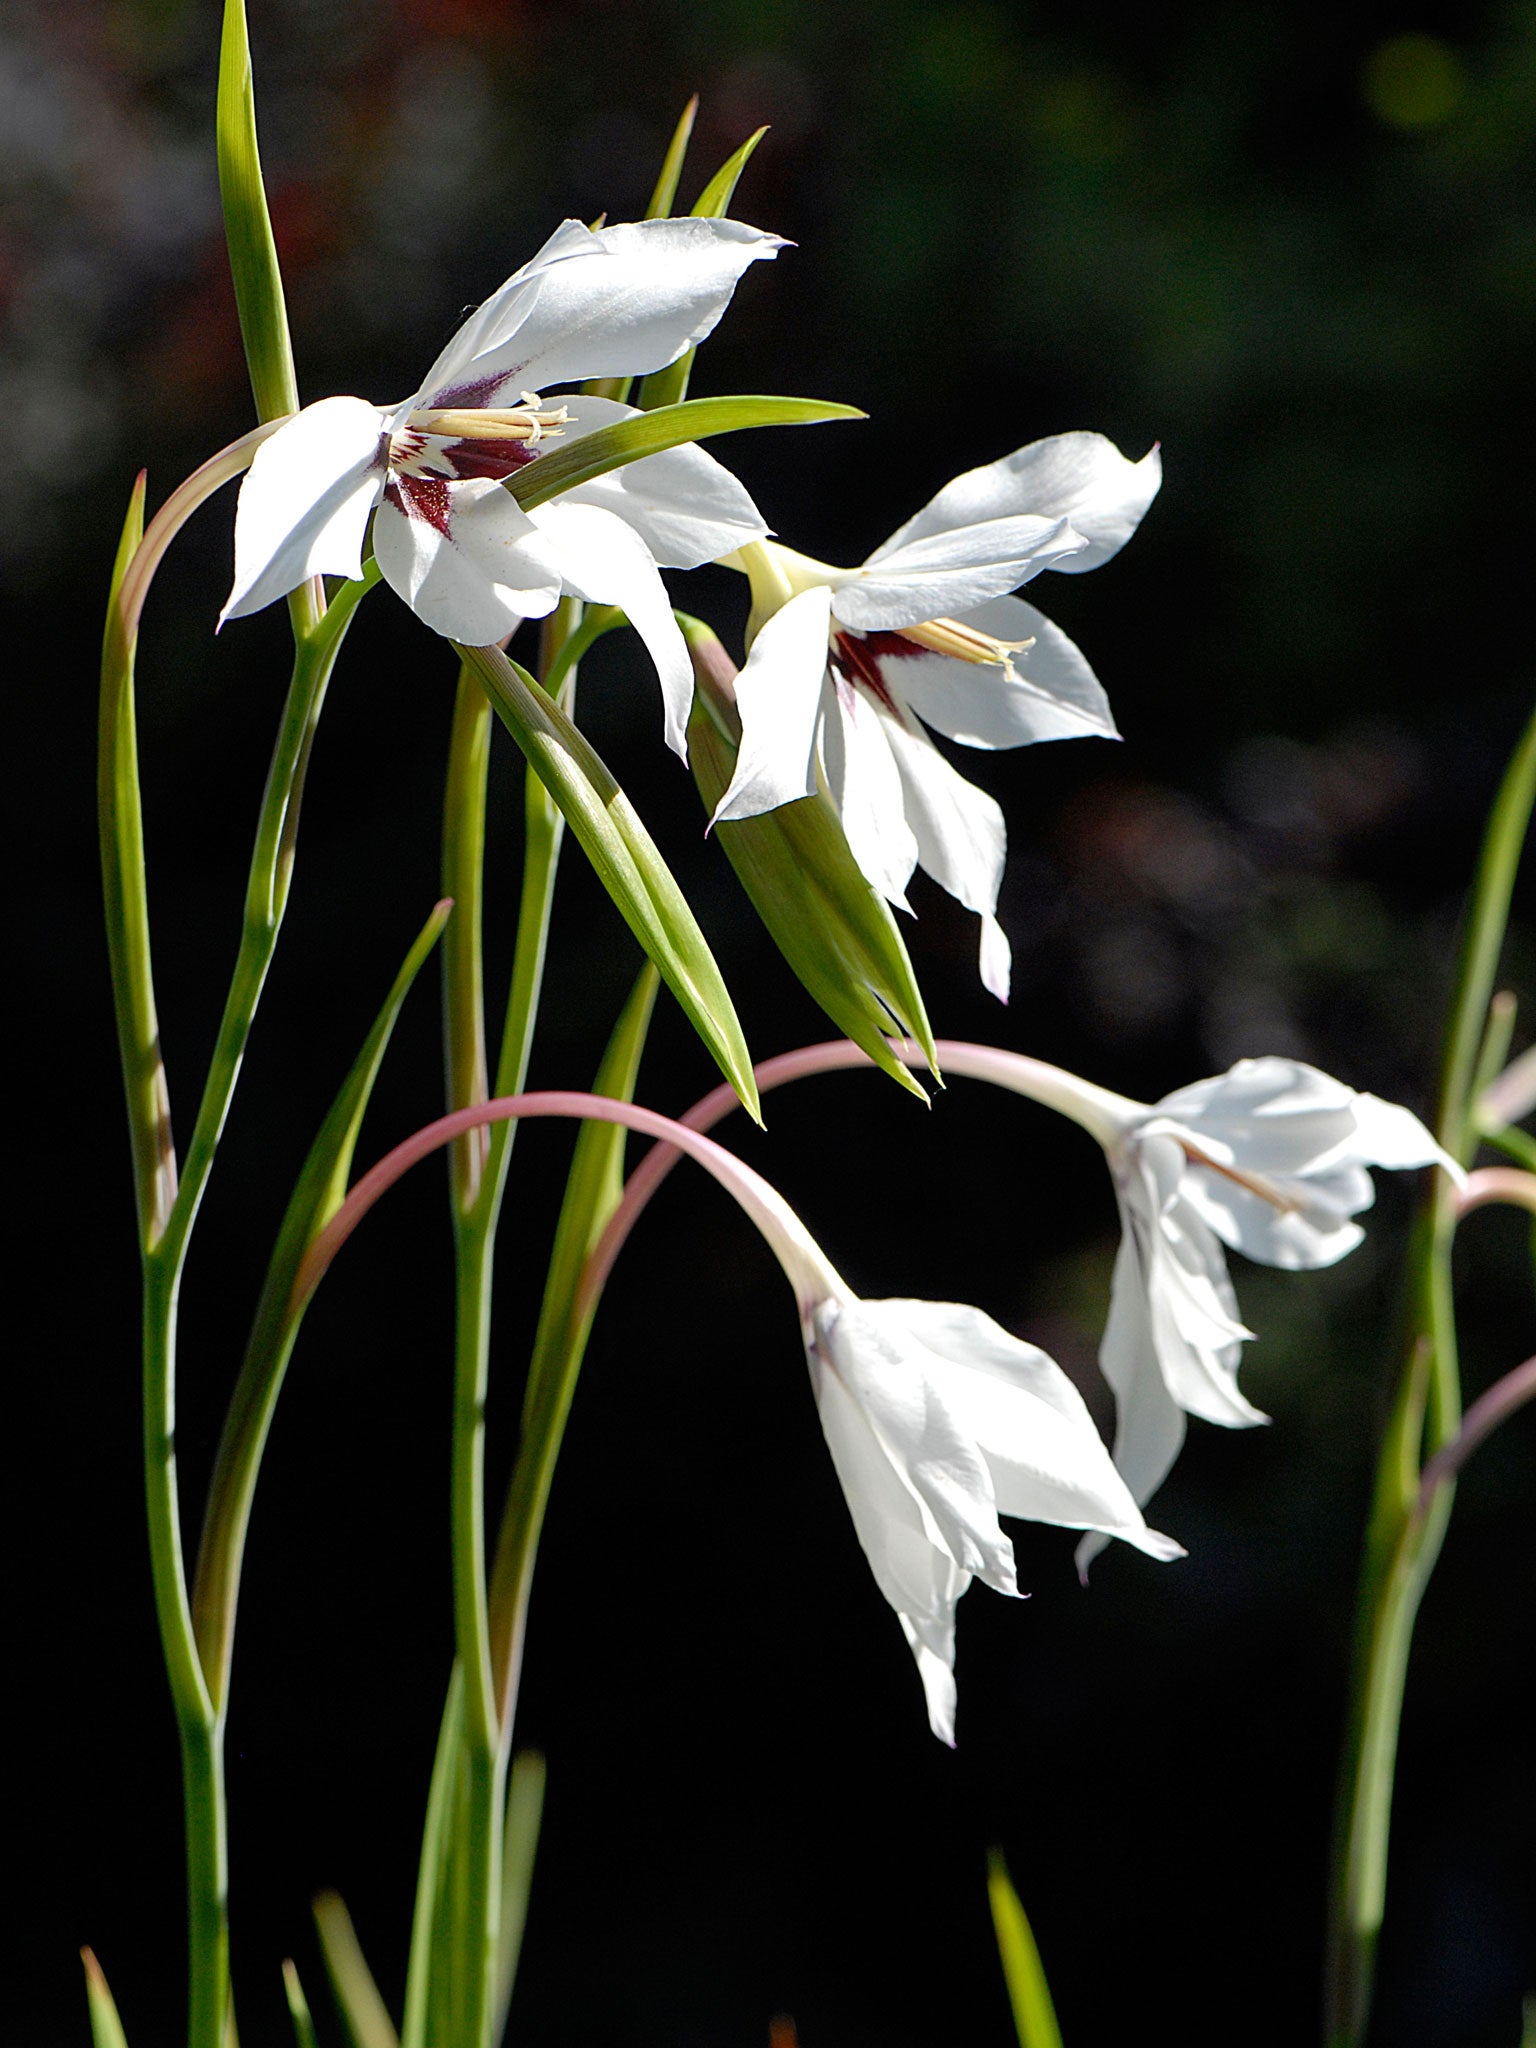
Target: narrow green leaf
<point>298,2008</point>
<point>520,1841</point>
<point>623,856</point>
<point>672,164</point>
<point>1034,2016</point>
<point>578,462</point>
<point>319,1192</point>
<point>106,2027</point>
<point>253,261</point>
<point>713,203</point>
<point>432,1871</point>
<point>833,929</point>
<point>669,386</point>
<point>363,2011</point>
<point>1528,2023</point>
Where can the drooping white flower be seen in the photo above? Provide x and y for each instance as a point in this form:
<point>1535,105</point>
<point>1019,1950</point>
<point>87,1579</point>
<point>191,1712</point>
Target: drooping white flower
<point>1269,1159</point>
<point>847,667</point>
<point>938,1421</point>
<point>451,540</point>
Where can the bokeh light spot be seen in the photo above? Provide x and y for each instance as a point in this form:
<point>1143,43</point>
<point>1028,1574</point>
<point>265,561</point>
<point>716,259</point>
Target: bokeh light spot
<point>1414,81</point>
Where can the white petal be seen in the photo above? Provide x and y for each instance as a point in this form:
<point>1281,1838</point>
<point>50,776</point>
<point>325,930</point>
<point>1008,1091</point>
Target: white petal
<point>1149,1424</point>
<point>865,784</point>
<point>1388,1135</point>
<point>920,1581</point>
<point>473,573</point>
<point>1316,1232</point>
<point>305,500</point>
<point>779,695</point>
<point>1047,1460</point>
<point>1081,477</point>
<point>872,1350</point>
<point>618,302</point>
<point>961,838</point>
<point>1278,1116</point>
<point>995,959</point>
<point>1057,695</point>
<point>607,562</point>
<point>685,506</point>
<point>949,572</point>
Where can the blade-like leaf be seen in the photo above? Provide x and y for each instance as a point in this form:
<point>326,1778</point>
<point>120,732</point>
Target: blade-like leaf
<point>670,385</point>
<point>432,1871</point>
<point>672,164</point>
<point>363,2011</point>
<point>624,858</point>
<point>321,1186</point>
<point>106,2027</point>
<point>520,1840</point>
<point>1034,2016</point>
<point>578,462</point>
<point>248,227</point>
<point>833,929</point>
<point>298,2008</point>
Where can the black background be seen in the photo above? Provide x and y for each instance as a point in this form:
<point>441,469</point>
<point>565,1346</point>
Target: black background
<point>1208,227</point>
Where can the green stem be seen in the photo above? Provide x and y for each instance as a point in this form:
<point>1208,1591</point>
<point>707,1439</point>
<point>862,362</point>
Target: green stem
<point>1401,1549</point>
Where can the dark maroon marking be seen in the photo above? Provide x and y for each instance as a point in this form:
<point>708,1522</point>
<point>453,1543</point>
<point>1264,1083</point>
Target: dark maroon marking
<point>897,644</point>
<point>474,394</point>
<point>489,458</point>
<point>422,498</point>
<point>857,655</point>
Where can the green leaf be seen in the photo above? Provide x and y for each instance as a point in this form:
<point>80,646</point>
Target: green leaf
<point>1034,2016</point>
<point>672,164</point>
<point>298,2008</point>
<point>363,2011</point>
<point>318,1194</point>
<point>578,462</point>
<point>833,929</point>
<point>520,1841</point>
<point>253,261</point>
<point>106,2027</point>
<point>670,385</point>
<point>623,856</point>
<point>432,1872</point>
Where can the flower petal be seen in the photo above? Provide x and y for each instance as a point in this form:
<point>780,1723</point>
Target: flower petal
<point>1081,477</point>
<point>1047,1460</point>
<point>305,501</point>
<point>865,784</point>
<point>779,696</point>
<point>685,506</point>
<point>612,303</point>
<point>1056,696</point>
<point>952,571</point>
<point>921,1581</point>
<point>466,559</point>
<point>606,561</point>
<point>871,1349</point>
<point>962,841</point>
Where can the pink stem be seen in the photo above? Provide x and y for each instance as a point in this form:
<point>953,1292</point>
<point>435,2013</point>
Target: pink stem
<point>1480,1421</point>
<point>777,1221</point>
<point>176,511</point>
<point>1497,1184</point>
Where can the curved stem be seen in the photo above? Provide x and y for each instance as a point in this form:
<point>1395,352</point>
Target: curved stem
<point>1502,1399</point>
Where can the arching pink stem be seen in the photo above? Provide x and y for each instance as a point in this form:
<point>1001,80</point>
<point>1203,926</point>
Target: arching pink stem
<point>796,1251</point>
<point>1480,1421</point>
<point>173,515</point>
<point>1044,1083</point>
<point>1497,1184</point>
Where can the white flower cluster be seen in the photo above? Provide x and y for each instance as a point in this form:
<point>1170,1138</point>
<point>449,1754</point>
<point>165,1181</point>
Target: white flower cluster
<point>937,1419</point>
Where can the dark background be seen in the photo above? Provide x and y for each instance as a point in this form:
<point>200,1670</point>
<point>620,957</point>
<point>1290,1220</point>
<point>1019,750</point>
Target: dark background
<point>1300,254</point>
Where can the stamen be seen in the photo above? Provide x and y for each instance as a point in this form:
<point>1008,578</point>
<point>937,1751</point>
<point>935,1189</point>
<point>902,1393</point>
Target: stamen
<point>520,423</point>
<point>967,643</point>
<point>1253,1182</point>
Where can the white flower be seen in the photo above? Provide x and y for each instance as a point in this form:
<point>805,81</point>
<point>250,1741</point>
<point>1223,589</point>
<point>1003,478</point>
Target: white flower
<point>848,665</point>
<point>938,1421</point>
<point>616,302</point>
<point>1269,1159</point>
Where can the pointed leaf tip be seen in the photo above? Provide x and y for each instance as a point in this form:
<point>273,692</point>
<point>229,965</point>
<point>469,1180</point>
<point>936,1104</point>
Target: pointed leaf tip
<point>106,2027</point>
